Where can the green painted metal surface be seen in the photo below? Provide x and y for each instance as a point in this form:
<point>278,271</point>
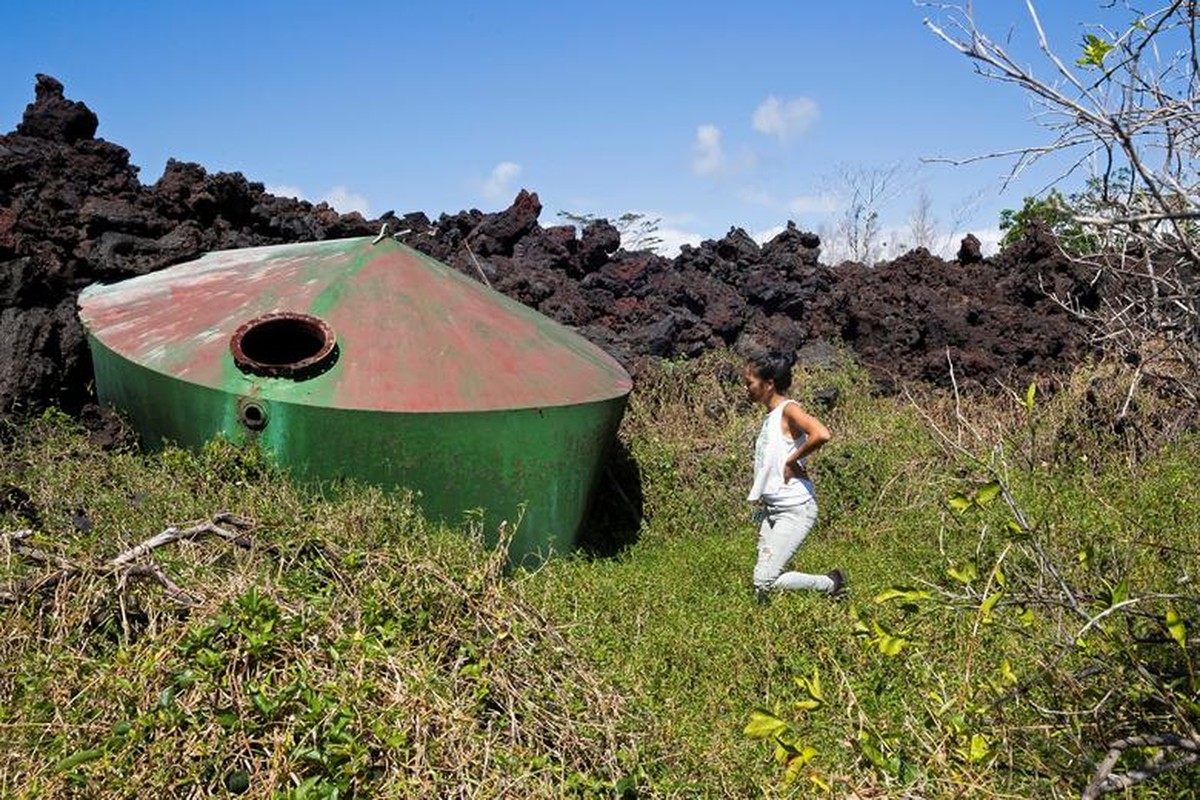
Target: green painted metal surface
<point>437,384</point>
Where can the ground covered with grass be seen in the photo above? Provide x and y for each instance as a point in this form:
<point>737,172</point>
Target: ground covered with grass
<point>1022,606</point>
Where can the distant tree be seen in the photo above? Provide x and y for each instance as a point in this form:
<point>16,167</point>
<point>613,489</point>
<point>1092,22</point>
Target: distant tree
<point>1062,214</point>
<point>1052,211</point>
<point>862,193</point>
<point>638,231</point>
<point>922,227</point>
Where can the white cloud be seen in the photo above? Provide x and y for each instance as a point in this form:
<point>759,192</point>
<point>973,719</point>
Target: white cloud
<point>707,157</point>
<point>755,196</point>
<point>345,201</point>
<point>498,186</point>
<point>673,239</point>
<point>762,237</point>
<point>339,198</point>
<point>284,191</point>
<point>785,119</point>
<point>813,204</point>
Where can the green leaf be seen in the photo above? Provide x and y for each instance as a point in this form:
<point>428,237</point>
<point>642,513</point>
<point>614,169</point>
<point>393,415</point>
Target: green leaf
<point>1120,594</point>
<point>858,626</point>
<point>237,781</point>
<point>763,725</point>
<point>814,685</point>
<point>1176,627</point>
<point>75,759</point>
<point>1007,676</point>
<point>867,744</point>
<point>811,687</point>
<point>1094,51</point>
<point>964,574</point>
<point>888,644</point>
<point>901,593</point>
<point>979,748</point>
<point>1030,393</point>
<point>1015,530</point>
<point>821,784</point>
<point>998,576</point>
<point>989,602</point>
<point>987,493</point>
<point>796,762</point>
<point>959,502</point>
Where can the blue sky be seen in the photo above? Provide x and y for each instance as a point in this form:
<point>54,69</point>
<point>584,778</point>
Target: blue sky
<point>702,113</point>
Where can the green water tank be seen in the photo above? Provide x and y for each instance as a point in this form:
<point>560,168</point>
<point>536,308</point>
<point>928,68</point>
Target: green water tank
<point>367,359</point>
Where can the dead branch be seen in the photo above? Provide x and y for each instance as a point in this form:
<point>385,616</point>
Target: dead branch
<point>1133,111</point>
<point>1103,781</point>
<point>15,542</point>
<point>186,534</point>
<point>121,567</point>
<point>155,573</point>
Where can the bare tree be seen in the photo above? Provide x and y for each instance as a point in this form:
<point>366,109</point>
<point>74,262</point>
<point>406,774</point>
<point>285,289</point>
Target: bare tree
<point>959,214</point>
<point>922,227</point>
<point>862,192</point>
<point>1127,105</point>
<point>638,231</point>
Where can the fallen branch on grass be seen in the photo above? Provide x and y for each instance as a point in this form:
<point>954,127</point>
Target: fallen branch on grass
<point>125,566</point>
<point>1104,781</point>
<point>173,534</point>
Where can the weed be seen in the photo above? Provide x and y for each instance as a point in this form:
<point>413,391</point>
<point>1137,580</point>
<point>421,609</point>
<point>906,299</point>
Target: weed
<point>357,650</point>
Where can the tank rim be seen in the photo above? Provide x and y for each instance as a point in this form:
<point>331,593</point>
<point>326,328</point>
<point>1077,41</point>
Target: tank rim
<point>307,364</point>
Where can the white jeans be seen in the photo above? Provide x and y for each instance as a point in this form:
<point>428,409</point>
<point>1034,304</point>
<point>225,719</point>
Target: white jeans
<point>781,533</point>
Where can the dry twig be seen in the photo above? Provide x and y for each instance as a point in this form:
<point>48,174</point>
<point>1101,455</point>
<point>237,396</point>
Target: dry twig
<point>123,567</point>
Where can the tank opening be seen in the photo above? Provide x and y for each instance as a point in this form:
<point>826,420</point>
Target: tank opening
<point>284,345</point>
<point>254,416</point>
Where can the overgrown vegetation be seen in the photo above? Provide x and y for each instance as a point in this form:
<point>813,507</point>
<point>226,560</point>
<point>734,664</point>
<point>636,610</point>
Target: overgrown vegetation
<point>347,650</point>
<point>1023,608</point>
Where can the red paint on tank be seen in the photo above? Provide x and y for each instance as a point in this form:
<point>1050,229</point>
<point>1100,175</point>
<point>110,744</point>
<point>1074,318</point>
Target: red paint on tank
<point>414,335</point>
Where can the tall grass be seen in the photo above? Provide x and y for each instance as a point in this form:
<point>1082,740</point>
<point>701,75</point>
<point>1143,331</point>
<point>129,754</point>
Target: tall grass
<point>356,650</point>
<point>672,620</point>
<point>351,650</point>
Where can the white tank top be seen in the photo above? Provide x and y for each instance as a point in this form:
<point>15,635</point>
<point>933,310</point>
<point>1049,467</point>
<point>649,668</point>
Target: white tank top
<point>771,450</point>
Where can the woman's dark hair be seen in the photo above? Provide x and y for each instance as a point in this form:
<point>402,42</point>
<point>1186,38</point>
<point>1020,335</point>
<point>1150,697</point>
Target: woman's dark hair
<point>775,367</point>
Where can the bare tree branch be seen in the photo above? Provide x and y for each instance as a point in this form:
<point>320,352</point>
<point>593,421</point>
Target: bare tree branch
<point>1129,110</point>
<point>1104,782</point>
<point>174,535</point>
<point>122,566</point>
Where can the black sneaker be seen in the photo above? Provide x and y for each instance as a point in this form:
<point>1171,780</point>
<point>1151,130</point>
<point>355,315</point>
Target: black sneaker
<point>839,583</point>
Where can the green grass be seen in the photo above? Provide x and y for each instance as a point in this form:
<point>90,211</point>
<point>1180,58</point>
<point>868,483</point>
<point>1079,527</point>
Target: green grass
<point>355,650</point>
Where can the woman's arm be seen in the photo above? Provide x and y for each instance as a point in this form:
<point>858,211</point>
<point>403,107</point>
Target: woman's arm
<point>801,422</point>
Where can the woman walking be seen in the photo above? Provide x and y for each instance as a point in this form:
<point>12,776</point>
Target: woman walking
<point>788,510</point>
